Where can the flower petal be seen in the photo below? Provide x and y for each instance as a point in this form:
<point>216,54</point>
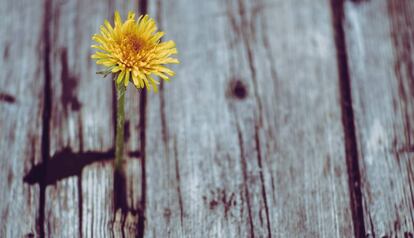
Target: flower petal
<point>126,81</point>
<point>120,77</point>
<point>117,19</point>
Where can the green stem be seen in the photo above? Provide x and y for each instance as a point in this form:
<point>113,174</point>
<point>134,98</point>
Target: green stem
<point>120,121</point>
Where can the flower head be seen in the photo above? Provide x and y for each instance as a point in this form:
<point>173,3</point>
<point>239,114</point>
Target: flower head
<point>133,52</point>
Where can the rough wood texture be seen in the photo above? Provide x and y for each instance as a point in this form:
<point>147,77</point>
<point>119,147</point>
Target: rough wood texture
<point>84,201</point>
<point>21,109</point>
<point>80,119</point>
<point>247,140</point>
<point>285,119</point>
<point>380,43</point>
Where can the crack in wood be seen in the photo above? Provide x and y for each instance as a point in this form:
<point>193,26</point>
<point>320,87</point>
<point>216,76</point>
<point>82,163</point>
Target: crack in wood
<point>79,184</point>
<point>273,74</point>
<point>259,161</point>
<point>142,123</point>
<point>46,116</point>
<point>372,225</point>
<point>80,201</point>
<point>177,177</point>
<point>164,129</point>
<point>351,151</point>
<point>245,186</point>
<point>245,37</point>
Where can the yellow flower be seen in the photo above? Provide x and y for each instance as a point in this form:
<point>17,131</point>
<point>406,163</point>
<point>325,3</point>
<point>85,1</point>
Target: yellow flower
<point>132,50</point>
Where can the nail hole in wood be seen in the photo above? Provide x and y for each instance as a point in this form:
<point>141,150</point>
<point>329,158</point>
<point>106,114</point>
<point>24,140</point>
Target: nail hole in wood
<point>238,89</point>
<point>7,98</point>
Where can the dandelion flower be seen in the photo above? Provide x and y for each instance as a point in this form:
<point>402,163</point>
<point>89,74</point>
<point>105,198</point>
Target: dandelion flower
<point>132,51</point>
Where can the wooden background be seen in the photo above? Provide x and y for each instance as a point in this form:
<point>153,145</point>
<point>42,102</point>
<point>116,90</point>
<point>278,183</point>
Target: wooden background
<point>287,118</point>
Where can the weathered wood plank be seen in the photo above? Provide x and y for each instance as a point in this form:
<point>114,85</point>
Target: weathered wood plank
<point>98,213</point>
<point>81,118</point>
<point>247,140</point>
<point>21,108</point>
<point>82,131</point>
<point>380,43</point>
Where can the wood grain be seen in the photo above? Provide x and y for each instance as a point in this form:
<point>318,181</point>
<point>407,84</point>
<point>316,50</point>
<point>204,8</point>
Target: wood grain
<point>247,140</point>
<point>21,109</point>
<point>81,116</point>
<point>83,203</point>
<point>251,139</point>
<point>380,40</point>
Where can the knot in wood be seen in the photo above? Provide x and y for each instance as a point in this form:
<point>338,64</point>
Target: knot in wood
<point>238,89</point>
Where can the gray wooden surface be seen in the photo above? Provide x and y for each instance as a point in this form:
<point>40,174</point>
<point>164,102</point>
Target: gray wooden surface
<point>238,154</point>
<point>21,114</point>
<point>380,40</point>
<point>285,119</point>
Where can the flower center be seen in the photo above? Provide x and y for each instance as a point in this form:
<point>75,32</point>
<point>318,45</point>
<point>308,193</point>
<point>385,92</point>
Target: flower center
<point>130,47</point>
